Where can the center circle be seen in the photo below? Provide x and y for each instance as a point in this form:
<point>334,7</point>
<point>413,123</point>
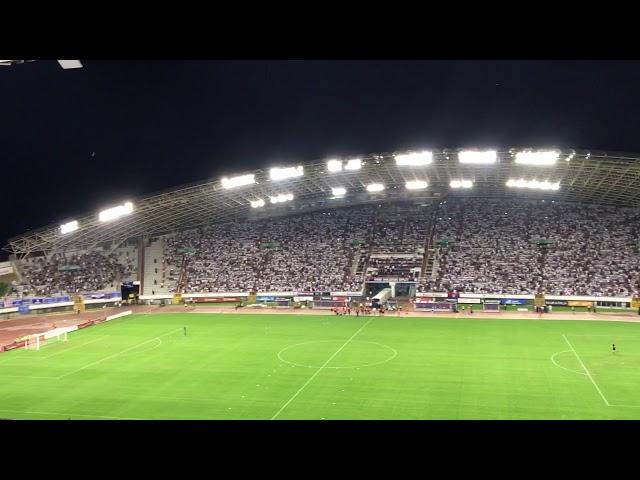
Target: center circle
<point>358,353</point>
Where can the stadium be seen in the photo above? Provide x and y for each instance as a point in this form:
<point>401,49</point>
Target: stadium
<point>440,284</point>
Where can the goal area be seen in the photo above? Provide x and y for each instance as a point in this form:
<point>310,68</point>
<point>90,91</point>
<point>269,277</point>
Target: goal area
<point>491,306</point>
<point>38,340</point>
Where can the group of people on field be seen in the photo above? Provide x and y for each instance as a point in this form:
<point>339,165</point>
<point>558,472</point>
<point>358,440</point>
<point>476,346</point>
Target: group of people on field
<point>359,310</point>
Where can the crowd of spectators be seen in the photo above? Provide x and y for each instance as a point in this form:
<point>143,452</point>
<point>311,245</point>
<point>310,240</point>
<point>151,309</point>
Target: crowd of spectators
<point>481,246</point>
<point>78,272</point>
<point>527,246</point>
<point>309,252</point>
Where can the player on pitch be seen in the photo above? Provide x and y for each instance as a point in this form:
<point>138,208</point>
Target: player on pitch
<point>184,329</point>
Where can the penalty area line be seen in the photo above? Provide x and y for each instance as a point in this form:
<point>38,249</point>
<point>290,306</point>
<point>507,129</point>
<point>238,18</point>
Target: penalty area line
<point>118,353</point>
<point>586,370</point>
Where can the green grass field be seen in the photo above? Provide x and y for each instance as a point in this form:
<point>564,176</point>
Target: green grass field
<point>258,366</point>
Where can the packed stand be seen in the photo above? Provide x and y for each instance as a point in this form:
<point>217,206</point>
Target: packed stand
<point>76,273</point>
<point>309,252</point>
<point>525,247</point>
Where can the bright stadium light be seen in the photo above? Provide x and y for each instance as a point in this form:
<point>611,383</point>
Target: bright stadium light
<point>69,227</point>
<point>283,197</point>
<point>334,166</point>
<point>533,184</point>
<point>353,164</point>
<point>548,157</point>
<point>257,203</point>
<point>288,172</point>
<point>417,159</point>
<point>239,181</point>
<point>339,191</point>
<point>375,187</point>
<point>478,158</point>
<point>417,185</point>
<point>461,184</point>
<point>115,212</point>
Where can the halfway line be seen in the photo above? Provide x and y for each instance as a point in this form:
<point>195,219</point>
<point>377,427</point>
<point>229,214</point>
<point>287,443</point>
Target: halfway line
<point>320,369</point>
<point>586,371</point>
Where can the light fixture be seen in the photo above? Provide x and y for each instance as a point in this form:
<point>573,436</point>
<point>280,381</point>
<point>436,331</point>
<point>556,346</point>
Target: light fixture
<point>334,166</point>
<point>288,172</point>
<point>416,159</point>
<point>539,158</point>
<point>69,227</point>
<point>476,157</point>
<point>283,197</point>
<point>375,187</point>
<point>353,164</point>
<point>533,184</point>
<point>461,184</point>
<point>238,181</point>
<point>115,212</point>
<point>417,185</point>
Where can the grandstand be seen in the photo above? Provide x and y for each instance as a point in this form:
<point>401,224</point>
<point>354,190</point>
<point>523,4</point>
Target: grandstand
<point>513,222</point>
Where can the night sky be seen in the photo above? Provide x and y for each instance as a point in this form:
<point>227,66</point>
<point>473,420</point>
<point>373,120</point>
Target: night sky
<point>76,141</point>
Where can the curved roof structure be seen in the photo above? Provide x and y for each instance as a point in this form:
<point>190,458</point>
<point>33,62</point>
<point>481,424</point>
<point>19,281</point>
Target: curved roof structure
<point>571,175</point>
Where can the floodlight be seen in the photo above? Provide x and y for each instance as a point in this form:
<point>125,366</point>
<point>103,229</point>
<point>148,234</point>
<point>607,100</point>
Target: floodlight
<point>69,227</point>
<point>288,172</point>
<point>533,184</point>
<point>283,197</point>
<point>353,164</point>
<point>417,185</point>
<point>257,203</point>
<point>67,64</point>
<point>334,165</point>
<point>115,212</point>
<point>339,191</point>
<point>414,159</point>
<point>461,184</point>
<point>238,181</point>
<point>375,187</point>
<point>478,158</point>
<point>548,157</point>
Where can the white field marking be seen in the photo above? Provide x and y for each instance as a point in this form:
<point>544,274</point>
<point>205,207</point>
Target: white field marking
<point>558,365</point>
<point>117,353</point>
<point>153,347</point>
<point>586,371</point>
<point>320,369</point>
<point>77,346</point>
<point>614,336</point>
<point>29,357</point>
<point>68,414</point>
<point>28,376</point>
<point>395,353</point>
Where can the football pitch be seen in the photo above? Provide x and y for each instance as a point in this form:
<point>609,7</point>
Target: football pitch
<point>264,366</point>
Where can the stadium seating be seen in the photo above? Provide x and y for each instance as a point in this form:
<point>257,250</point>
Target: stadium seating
<point>310,252</point>
<point>517,247</point>
<point>479,245</point>
<point>78,272</point>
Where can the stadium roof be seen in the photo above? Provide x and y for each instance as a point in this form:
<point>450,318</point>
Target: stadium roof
<point>587,177</point>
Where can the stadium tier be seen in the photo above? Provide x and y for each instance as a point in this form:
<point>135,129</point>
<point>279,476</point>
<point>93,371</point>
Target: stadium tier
<point>475,245</point>
<point>437,220</point>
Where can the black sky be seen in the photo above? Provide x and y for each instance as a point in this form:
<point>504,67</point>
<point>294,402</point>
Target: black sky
<point>76,141</point>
